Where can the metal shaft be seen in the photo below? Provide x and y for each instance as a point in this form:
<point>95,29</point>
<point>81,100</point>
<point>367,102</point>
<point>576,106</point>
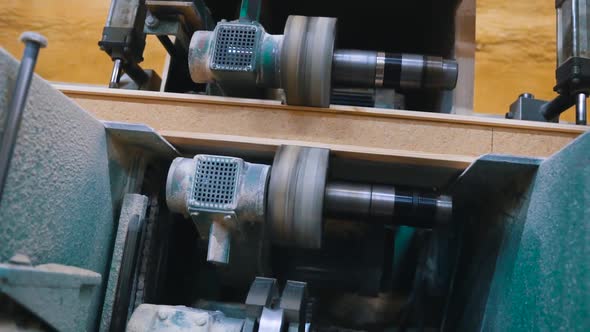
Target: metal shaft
<point>385,204</point>
<point>136,73</point>
<point>581,109</point>
<point>33,42</point>
<point>378,69</point>
<point>116,74</point>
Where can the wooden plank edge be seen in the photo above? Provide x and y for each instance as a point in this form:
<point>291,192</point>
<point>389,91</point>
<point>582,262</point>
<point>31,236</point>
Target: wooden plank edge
<point>182,139</point>
<point>76,91</point>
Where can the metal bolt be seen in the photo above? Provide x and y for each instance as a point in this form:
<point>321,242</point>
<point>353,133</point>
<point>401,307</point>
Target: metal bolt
<point>162,315</point>
<point>527,95</point>
<point>201,320</point>
<point>33,42</point>
<point>151,21</point>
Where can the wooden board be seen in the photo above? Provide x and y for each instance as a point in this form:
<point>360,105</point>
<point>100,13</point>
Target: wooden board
<point>187,141</point>
<point>453,139</point>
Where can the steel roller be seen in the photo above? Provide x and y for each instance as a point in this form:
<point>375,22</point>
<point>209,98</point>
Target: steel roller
<point>386,204</point>
<point>368,69</point>
<point>298,199</point>
<point>304,64</point>
<point>306,60</point>
<point>296,196</point>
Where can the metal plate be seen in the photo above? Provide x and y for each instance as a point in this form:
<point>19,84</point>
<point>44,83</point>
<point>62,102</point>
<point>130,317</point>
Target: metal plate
<point>142,137</point>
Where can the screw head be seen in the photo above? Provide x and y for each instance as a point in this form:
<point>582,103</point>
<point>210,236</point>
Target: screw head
<point>152,21</point>
<point>201,320</point>
<point>162,314</point>
<point>33,37</point>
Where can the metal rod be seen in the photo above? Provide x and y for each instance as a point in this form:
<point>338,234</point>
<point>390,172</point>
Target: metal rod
<point>33,42</point>
<point>168,45</point>
<point>385,204</point>
<point>136,73</point>
<point>552,109</point>
<point>116,74</point>
<point>581,109</point>
<point>357,68</point>
<point>367,69</point>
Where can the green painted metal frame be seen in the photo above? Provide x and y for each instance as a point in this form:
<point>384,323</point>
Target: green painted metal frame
<point>67,180</point>
<point>59,205</point>
<point>250,10</point>
<point>526,241</point>
<point>58,294</point>
<point>544,279</point>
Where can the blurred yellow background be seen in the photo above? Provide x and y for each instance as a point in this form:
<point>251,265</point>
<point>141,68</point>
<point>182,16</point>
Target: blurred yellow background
<point>515,45</point>
<point>73,28</point>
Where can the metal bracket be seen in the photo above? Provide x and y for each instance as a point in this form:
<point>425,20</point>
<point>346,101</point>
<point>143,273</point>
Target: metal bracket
<point>274,312</point>
<point>526,107</point>
<point>141,136</point>
<point>58,294</point>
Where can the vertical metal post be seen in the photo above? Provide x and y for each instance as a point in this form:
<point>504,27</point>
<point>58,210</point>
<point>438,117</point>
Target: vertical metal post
<point>250,10</point>
<point>116,74</point>
<point>581,109</point>
<point>33,42</point>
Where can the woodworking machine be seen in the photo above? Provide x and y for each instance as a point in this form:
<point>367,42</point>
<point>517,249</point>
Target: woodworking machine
<point>302,66</point>
<point>107,226</point>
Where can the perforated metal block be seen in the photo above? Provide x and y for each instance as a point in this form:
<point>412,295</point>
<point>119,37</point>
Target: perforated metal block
<point>220,194</point>
<point>235,47</point>
<point>215,182</point>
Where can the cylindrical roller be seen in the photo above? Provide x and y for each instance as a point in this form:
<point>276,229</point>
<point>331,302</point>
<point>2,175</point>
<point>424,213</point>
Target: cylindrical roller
<point>306,60</point>
<point>296,196</point>
<point>421,210</point>
<point>385,204</point>
<point>378,69</point>
<point>348,200</point>
<point>354,68</point>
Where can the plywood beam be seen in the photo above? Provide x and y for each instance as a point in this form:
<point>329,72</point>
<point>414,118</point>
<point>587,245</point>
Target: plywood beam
<point>264,123</point>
